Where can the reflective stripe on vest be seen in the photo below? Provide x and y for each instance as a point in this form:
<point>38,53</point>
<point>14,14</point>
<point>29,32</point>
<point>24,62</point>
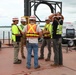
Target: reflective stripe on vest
<point>59,29</point>
<point>47,35</point>
<point>31,31</point>
<point>47,29</point>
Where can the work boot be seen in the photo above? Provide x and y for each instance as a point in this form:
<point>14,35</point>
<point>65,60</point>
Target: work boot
<point>41,58</point>
<point>23,57</point>
<point>27,67</point>
<point>18,62</point>
<point>55,65</point>
<point>47,59</point>
<point>32,55</point>
<point>37,67</point>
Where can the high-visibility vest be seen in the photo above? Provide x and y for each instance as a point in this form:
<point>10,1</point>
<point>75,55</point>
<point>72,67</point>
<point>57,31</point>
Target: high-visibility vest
<point>48,28</point>
<point>59,29</point>
<point>31,31</point>
<point>14,31</point>
<point>47,35</point>
<point>21,27</point>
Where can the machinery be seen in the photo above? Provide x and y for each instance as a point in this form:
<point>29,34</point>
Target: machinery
<point>69,34</point>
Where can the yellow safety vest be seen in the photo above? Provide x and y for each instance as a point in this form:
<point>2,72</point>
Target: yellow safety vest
<point>14,31</point>
<point>59,29</point>
<point>31,31</point>
<point>21,27</point>
<point>48,27</point>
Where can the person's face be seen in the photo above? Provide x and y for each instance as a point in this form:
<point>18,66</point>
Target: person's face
<point>16,21</point>
<point>47,21</point>
<point>23,22</point>
<point>32,21</point>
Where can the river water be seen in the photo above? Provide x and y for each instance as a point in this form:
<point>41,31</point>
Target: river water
<point>5,33</point>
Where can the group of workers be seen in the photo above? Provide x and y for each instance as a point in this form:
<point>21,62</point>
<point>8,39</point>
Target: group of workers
<point>29,34</point>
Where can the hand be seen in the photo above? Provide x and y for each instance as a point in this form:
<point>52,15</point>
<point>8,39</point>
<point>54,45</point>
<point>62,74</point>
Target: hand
<point>45,32</point>
<point>18,35</point>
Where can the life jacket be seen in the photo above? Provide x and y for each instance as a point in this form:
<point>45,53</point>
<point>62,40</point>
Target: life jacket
<point>59,29</point>
<point>31,31</point>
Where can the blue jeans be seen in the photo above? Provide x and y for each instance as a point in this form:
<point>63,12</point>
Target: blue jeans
<point>30,47</point>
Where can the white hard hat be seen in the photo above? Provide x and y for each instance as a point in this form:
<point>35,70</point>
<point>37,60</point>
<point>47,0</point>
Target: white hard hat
<point>47,18</point>
<point>32,18</point>
<point>15,18</point>
<point>23,19</point>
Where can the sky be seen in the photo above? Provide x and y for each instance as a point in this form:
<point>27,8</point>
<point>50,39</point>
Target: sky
<point>10,9</point>
<point>15,8</point>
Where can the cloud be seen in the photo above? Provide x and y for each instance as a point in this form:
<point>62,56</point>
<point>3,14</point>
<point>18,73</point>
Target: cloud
<point>69,10</point>
<point>11,8</point>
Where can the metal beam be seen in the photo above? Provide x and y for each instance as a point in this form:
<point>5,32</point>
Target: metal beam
<point>27,8</point>
<point>29,4</point>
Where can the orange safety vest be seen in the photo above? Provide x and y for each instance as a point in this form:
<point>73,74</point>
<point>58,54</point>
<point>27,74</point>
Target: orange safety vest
<point>31,31</point>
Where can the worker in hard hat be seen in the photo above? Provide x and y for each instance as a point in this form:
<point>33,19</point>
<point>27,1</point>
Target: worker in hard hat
<point>16,39</point>
<point>23,38</point>
<point>47,34</point>
<point>57,40</point>
<point>32,31</point>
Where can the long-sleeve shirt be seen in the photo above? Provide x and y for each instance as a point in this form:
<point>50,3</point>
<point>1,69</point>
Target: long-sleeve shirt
<point>55,24</point>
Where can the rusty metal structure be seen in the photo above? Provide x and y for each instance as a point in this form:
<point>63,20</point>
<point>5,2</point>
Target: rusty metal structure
<point>29,4</point>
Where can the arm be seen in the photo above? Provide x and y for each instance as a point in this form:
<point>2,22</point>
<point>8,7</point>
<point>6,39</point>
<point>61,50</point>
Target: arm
<point>24,30</point>
<point>55,24</point>
<point>40,34</point>
<point>62,17</point>
<point>45,31</point>
<point>51,17</point>
<point>39,31</point>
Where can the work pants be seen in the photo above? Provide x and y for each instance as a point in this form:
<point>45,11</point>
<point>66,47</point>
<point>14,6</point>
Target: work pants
<point>44,43</point>
<point>22,46</point>
<point>57,47</point>
<point>30,47</point>
<point>16,50</point>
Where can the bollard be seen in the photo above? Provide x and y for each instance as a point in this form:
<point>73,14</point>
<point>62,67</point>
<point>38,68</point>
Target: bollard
<point>9,38</point>
<point>3,36</point>
<point>0,45</point>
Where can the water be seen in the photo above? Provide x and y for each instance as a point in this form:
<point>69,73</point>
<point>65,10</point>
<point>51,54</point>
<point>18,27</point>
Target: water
<point>5,32</point>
